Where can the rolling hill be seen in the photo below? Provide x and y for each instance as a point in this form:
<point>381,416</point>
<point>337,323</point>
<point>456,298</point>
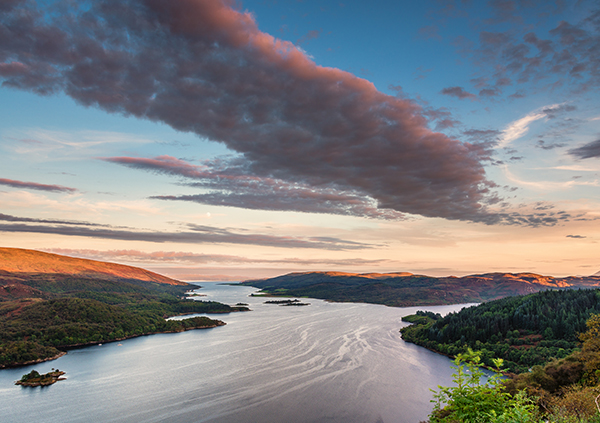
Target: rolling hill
<point>17,260</point>
<point>406,289</point>
<point>50,303</point>
<point>30,273</point>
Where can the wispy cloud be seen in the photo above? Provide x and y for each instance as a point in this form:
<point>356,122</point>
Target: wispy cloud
<point>181,63</point>
<point>575,168</point>
<point>547,185</point>
<point>520,127</point>
<point>458,92</point>
<point>36,186</point>
<point>194,234</point>
<point>566,55</point>
<point>43,145</point>
<point>188,258</point>
<point>10,218</point>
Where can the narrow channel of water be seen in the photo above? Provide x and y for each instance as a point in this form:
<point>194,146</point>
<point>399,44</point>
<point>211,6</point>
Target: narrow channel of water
<point>327,362</point>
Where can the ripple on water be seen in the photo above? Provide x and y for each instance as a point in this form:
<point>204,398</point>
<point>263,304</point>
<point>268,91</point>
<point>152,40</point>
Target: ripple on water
<point>326,362</point>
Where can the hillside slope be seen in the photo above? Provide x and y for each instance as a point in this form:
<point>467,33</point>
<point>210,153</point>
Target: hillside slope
<point>35,274</point>
<point>524,330</point>
<point>21,261</point>
<point>50,303</point>
<point>406,289</point>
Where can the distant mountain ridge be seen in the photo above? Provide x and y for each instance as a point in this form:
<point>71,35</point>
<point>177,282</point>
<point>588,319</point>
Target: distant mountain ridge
<point>406,289</point>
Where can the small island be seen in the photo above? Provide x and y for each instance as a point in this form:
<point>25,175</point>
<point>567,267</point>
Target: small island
<point>33,378</point>
<point>287,302</point>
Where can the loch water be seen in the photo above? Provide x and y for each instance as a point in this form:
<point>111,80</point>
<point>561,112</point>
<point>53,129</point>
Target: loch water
<point>327,362</point>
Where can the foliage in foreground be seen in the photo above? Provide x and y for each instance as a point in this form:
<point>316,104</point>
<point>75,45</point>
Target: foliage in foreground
<point>472,401</point>
<point>562,391</point>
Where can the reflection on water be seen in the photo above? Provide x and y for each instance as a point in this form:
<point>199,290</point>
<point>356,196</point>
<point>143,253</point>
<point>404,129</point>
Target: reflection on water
<point>327,362</point>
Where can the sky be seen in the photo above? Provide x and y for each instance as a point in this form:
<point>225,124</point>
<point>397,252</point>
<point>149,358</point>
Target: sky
<point>229,140</point>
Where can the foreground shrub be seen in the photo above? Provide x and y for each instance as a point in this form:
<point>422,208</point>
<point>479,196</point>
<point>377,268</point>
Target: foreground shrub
<point>472,401</point>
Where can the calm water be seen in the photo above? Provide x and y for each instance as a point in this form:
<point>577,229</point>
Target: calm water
<point>327,362</point>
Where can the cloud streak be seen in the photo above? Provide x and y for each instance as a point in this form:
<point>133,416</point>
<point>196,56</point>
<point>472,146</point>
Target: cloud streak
<point>520,127</point>
<point>203,66</point>
<point>232,185</point>
<point>36,186</point>
<point>195,234</point>
<point>458,92</point>
<point>10,218</point>
<point>188,258</point>
<point>587,151</point>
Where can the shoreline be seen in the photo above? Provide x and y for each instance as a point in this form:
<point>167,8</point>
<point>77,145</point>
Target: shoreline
<point>89,344</point>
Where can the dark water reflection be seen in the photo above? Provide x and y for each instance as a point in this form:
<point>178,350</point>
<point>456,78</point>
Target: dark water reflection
<point>327,362</point>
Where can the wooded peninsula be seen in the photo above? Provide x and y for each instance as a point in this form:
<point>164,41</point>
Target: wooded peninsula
<point>50,303</point>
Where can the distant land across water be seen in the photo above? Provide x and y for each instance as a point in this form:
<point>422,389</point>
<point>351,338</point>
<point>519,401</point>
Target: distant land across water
<point>404,289</point>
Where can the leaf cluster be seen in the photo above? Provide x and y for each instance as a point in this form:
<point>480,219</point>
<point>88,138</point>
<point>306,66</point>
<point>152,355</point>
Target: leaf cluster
<point>478,398</point>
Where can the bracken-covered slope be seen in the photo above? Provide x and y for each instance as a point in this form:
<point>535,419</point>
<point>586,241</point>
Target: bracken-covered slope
<point>406,289</point>
<point>16,260</point>
<point>35,274</point>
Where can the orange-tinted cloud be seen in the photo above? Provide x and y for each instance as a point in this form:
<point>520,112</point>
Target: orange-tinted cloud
<point>203,66</point>
<point>181,257</point>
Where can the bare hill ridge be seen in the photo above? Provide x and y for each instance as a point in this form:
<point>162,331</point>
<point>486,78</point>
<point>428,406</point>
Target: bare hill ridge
<point>20,262</point>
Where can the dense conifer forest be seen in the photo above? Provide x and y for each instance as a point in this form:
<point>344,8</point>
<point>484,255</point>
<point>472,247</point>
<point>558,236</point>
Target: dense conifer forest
<point>549,342</point>
<point>523,330</point>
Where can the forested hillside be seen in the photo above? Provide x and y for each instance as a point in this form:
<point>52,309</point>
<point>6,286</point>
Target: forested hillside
<point>78,303</point>
<point>523,330</point>
<point>404,289</point>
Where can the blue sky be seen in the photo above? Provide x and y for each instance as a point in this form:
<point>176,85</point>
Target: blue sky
<point>229,140</point>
